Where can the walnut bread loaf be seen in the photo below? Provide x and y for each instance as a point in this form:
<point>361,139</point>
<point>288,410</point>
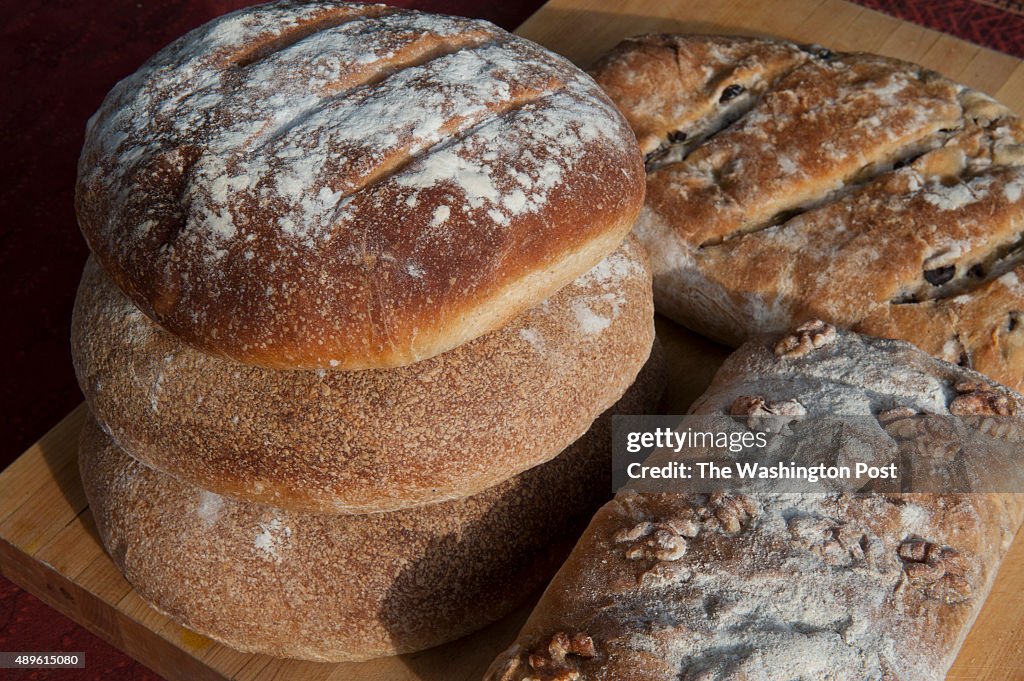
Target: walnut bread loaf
<point>347,587</point>
<point>784,586</point>
<point>335,185</point>
<point>787,183</point>
<point>338,441</point>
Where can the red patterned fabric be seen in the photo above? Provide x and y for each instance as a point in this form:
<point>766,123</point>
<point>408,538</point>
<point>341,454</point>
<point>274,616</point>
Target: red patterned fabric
<point>57,60</point>
<point>998,24</point>
<point>25,623</point>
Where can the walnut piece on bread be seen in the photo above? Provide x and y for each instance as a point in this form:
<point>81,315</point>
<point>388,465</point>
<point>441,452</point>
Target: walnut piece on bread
<point>805,338</point>
<point>938,571</point>
<point>553,662</point>
<point>975,398</point>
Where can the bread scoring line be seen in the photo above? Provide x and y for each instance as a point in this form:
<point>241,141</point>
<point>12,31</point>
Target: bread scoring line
<point>850,186</point>
<point>190,157</point>
<point>395,170</point>
<point>374,79</point>
<point>304,224</point>
<point>707,127</point>
<point>908,154</point>
<point>314,27</point>
<point>857,178</point>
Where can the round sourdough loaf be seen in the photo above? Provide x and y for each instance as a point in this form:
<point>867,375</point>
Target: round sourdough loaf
<point>374,440</point>
<point>334,185</point>
<point>788,183</point>
<point>328,587</point>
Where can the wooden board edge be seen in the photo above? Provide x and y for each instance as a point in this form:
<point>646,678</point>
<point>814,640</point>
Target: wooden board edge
<point>111,625</point>
<point>18,482</point>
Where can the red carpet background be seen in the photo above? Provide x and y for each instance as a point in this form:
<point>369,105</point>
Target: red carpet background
<point>998,24</point>
<point>57,60</point>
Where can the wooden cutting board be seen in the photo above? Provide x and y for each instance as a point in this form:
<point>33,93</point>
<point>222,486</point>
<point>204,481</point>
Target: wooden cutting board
<point>48,541</point>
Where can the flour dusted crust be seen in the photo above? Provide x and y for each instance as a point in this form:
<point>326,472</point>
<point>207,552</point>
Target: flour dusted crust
<point>787,183</point>
<point>375,440</point>
<point>783,586</point>
<point>301,185</point>
<point>328,587</point>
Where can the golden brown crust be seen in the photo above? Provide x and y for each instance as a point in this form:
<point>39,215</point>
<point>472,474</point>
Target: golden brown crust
<point>375,440</point>
<point>980,328</point>
<point>854,188</point>
<point>347,587</point>
<point>303,185</point>
<point>784,586</point>
<point>667,84</point>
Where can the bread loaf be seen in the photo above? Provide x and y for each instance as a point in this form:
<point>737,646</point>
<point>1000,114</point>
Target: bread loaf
<point>329,587</point>
<point>787,183</point>
<point>335,185</point>
<point>783,586</point>
<point>355,442</point>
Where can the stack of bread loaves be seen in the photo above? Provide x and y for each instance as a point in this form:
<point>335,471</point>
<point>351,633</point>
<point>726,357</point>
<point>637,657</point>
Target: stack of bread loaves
<point>359,289</point>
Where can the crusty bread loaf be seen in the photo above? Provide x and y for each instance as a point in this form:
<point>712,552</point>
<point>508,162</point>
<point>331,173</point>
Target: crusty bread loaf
<point>375,440</point>
<point>789,183</point>
<point>783,586</point>
<point>323,184</point>
<point>347,587</point>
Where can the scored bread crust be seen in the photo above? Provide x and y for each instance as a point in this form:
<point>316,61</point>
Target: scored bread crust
<point>789,183</point>
<point>783,586</point>
<point>332,588</point>
<point>302,185</point>
<point>374,440</point>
